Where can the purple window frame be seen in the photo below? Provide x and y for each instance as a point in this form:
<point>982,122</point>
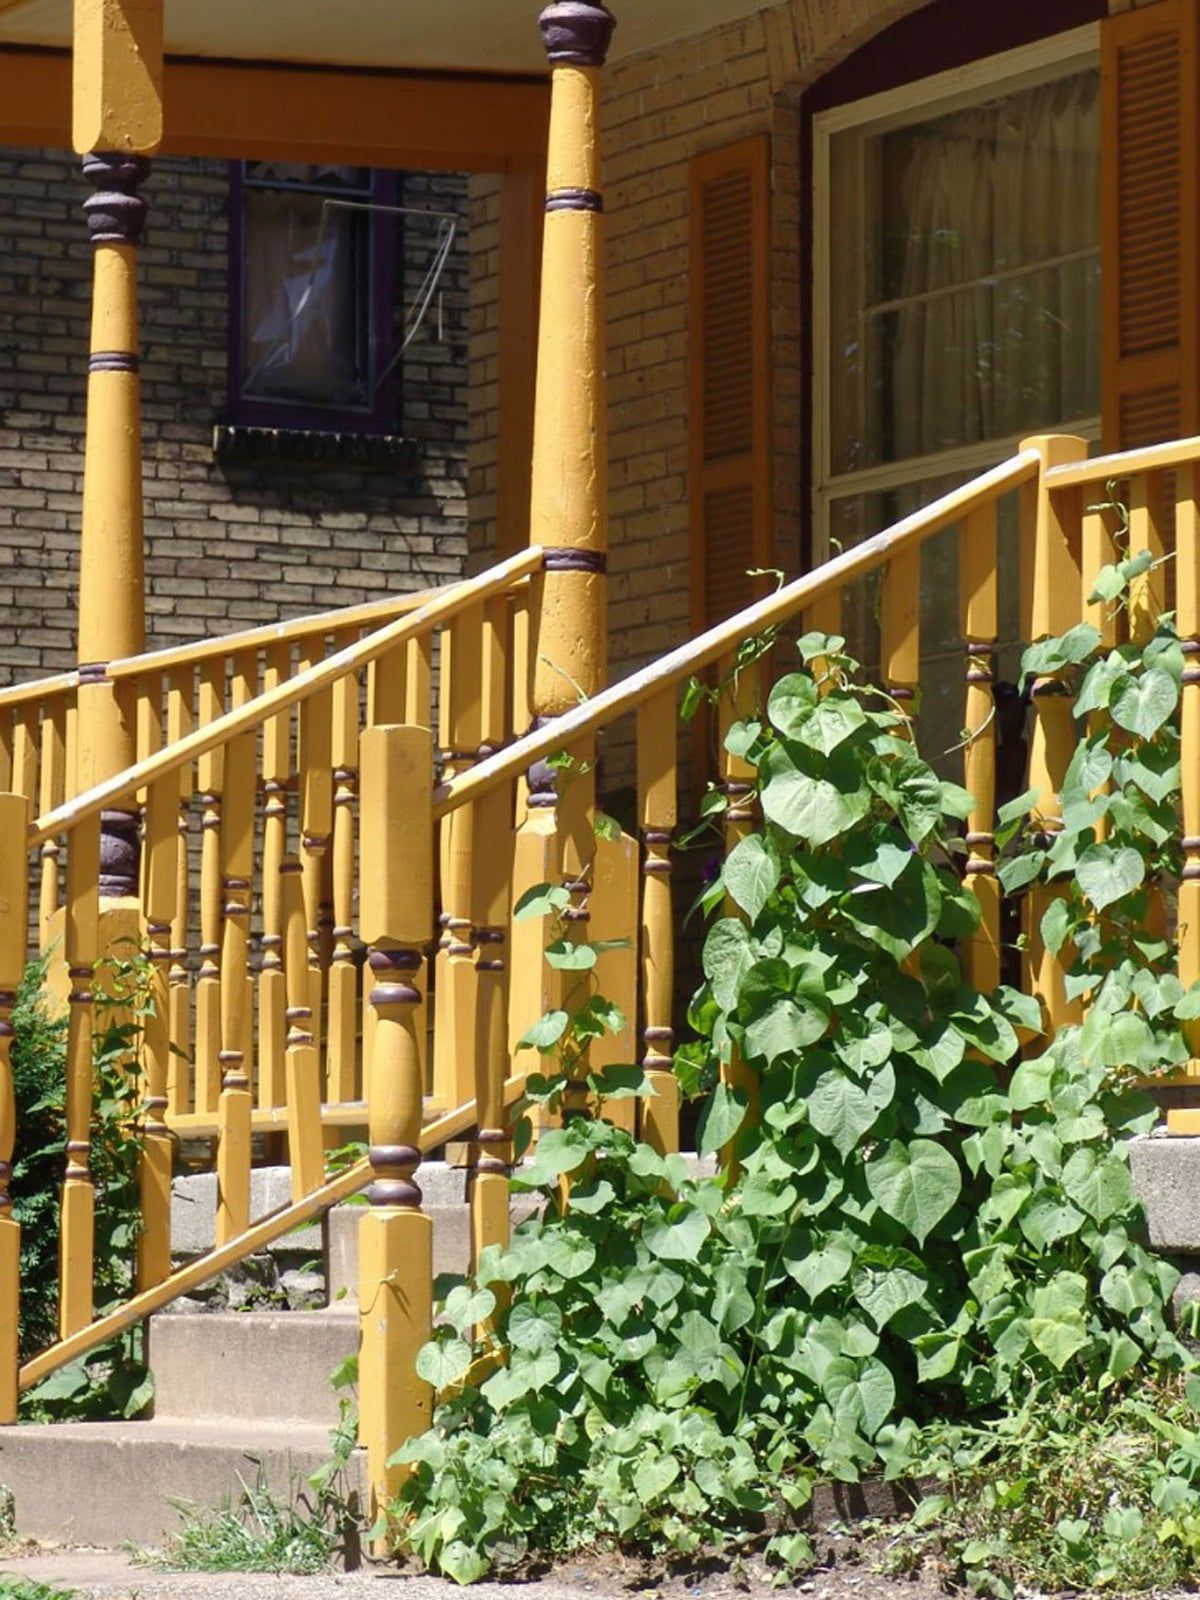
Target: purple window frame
<point>381,416</point>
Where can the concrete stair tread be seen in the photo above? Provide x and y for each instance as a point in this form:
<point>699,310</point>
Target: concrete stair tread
<point>273,1365</point>
<point>102,1483</point>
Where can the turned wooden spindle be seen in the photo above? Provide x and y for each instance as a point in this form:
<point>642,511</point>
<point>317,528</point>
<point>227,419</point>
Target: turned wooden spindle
<point>395,1236</point>
<point>234,1108</point>
<point>210,777</point>
<point>342,1072</point>
<point>1054,587</point>
<point>739,700</point>
<point>80,938</point>
<point>180,708</point>
<point>977,575</point>
<point>52,792</point>
<point>314,762</point>
<point>1147,523</point>
<point>900,631</point>
<point>14,825</point>
<point>657,810</point>
<point>306,1146</point>
<point>490,888</point>
<point>159,888</point>
<point>460,734</point>
<point>272,985</point>
<point>1187,621</point>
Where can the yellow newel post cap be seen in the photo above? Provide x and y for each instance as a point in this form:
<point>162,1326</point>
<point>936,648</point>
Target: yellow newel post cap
<point>576,33</point>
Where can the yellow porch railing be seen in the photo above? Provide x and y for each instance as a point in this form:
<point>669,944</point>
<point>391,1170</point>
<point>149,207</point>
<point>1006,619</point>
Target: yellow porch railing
<point>454,843</point>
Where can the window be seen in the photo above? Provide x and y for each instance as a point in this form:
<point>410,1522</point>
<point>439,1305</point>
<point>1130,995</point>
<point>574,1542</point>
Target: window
<point>313,272</point>
<point>957,306</point>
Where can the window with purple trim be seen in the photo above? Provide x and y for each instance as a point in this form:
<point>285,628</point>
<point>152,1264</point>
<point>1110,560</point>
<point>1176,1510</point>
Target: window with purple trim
<point>312,277</point>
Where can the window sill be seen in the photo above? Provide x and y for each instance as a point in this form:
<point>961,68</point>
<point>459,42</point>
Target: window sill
<point>239,445</point>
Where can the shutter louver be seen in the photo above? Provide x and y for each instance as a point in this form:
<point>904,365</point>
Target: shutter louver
<point>730,483</point>
<point>1151,282</point>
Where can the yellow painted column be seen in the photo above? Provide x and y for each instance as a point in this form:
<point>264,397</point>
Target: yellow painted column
<point>567,511</point>
<point>117,121</point>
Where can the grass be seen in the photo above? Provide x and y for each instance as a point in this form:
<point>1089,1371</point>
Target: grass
<point>13,1587</point>
<point>254,1531</point>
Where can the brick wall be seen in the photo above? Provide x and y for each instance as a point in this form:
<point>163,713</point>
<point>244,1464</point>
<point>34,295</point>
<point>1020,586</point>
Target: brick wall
<point>227,546</point>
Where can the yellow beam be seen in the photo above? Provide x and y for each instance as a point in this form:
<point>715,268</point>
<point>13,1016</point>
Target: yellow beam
<point>253,111</point>
<point>118,71</point>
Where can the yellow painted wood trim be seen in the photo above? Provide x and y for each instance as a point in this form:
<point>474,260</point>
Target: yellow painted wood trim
<point>424,121</point>
<point>255,1238</point>
<point>1101,469</point>
<point>245,720</point>
<point>693,656</point>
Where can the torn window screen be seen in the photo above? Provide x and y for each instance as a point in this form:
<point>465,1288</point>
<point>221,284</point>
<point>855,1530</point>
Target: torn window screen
<point>307,287</point>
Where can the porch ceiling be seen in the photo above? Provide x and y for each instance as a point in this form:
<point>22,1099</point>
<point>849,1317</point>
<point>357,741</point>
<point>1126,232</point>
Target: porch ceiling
<point>432,35</point>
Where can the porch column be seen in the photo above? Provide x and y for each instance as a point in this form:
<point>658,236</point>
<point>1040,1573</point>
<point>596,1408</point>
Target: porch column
<point>567,512</point>
<point>117,122</point>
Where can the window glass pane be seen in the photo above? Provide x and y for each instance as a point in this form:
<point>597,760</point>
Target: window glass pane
<point>306,300</point>
<point>964,274</point>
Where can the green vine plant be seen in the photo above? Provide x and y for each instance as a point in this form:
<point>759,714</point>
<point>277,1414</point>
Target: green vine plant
<point>113,1381</point>
<point>927,1261</point>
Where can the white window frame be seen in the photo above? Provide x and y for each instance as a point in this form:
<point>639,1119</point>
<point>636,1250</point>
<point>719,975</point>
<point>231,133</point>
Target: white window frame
<point>917,101</point>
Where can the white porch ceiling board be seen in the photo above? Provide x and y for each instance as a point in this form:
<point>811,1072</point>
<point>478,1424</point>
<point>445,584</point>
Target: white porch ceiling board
<point>437,35</point>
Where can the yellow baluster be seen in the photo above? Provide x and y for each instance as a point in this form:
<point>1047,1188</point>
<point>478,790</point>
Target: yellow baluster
<point>657,808</point>
<point>180,705</point>
<point>395,1236</point>
<point>77,1242</point>
<point>1055,602</point>
<point>343,976</point>
<point>234,1108</point>
<point>160,885</point>
<point>977,598</point>
<point>272,986</point>
<point>1187,618</point>
<point>490,889</point>
<point>1148,591</point>
<point>210,777</point>
<point>739,700</point>
<point>460,734</point>
<point>315,764</point>
<point>14,825</point>
<point>306,1146</point>
<point>52,793</point>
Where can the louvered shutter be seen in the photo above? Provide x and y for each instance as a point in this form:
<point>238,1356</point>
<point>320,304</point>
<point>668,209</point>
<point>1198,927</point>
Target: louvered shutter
<point>1150,270</point>
<point>730,345</point>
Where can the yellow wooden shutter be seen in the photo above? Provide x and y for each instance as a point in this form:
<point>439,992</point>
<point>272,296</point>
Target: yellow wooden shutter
<point>729,389</point>
<point>1149,224</point>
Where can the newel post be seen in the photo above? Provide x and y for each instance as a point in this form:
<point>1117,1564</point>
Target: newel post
<point>395,1235</point>
<point>14,910</point>
<point>568,644</point>
<point>117,123</point>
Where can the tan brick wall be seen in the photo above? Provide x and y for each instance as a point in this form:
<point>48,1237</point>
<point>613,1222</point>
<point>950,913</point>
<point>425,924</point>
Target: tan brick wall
<point>227,546</point>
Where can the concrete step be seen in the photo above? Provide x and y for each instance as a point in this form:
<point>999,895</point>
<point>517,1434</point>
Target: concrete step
<point>100,1483</point>
<point>272,1366</point>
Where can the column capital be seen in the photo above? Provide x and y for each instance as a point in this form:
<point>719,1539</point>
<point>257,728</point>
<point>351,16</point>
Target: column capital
<point>115,212</point>
<point>576,33</point>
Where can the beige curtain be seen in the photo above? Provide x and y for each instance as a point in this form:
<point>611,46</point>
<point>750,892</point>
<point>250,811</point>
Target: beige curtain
<point>979,197</point>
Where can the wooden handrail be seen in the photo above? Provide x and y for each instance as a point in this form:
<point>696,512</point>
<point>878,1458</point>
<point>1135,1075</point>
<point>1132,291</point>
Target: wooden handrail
<point>1103,469</point>
<point>19,694</point>
<point>318,622</point>
<point>699,653</point>
<point>227,644</point>
<point>248,718</point>
<point>263,1233</point>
